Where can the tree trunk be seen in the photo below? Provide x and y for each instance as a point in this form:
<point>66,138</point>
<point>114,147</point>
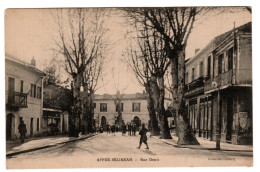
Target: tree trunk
<point>155,130</point>
<point>158,99</point>
<point>91,113</point>
<point>76,118</point>
<point>183,128</point>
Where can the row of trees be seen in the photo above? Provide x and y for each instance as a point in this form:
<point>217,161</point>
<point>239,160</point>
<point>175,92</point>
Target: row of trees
<point>161,36</point>
<point>158,44</point>
<point>81,41</point>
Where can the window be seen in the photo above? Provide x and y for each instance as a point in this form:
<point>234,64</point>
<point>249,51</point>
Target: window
<point>136,107</point>
<point>192,74</point>
<point>122,107</point>
<point>21,88</point>
<point>220,59</point>
<point>201,68</point>
<point>38,124</point>
<point>39,92</point>
<point>103,107</point>
<point>230,58</point>
<point>186,77</point>
<point>95,105</point>
<point>209,66</point>
<point>33,90</point>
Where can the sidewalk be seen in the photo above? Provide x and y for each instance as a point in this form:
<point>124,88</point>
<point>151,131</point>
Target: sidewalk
<point>207,145</point>
<point>15,147</point>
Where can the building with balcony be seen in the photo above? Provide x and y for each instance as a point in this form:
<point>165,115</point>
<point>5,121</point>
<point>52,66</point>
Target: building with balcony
<point>224,66</point>
<point>23,97</point>
<point>133,108</point>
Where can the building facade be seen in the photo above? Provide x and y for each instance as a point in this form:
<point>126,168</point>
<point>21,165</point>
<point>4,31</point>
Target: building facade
<point>219,87</point>
<point>133,108</point>
<point>57,102</point>
<point>23,96</point>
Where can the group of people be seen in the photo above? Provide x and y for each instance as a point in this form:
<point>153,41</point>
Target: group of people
<point>112,129</point>
<point>130,128</point>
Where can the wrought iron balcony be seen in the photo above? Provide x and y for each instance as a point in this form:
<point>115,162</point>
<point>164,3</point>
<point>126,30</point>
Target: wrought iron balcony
<point>195,87</point>
<point>16,100</point>
<point>230,78</point>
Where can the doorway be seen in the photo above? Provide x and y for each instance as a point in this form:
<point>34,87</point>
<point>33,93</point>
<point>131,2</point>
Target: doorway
<point>137,122</point>
<point>9,126</point>
<point>229,118</point>
<point>104,122</point>
<point>31,127</point>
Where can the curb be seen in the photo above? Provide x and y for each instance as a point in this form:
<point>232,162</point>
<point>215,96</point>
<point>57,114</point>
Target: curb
<point>9,155</point>
<point>198,148</point>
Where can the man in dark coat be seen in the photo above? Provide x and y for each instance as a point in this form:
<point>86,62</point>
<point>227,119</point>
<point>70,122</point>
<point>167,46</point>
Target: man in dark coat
<point>143,138</point>
<point>123,129</point>
<point>22,130</point>
<point>134,128</point>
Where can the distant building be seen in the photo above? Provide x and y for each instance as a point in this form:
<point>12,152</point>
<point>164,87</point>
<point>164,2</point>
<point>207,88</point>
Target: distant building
<point>133,108</point>
<point>23,96</point>
<point>224,65</point>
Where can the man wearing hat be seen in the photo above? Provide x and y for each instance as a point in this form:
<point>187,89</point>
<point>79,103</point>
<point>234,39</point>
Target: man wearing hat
<point>143,138</point>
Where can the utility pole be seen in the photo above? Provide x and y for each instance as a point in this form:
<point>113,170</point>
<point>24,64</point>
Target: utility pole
<point>214,85</point>
<point>218,122</point>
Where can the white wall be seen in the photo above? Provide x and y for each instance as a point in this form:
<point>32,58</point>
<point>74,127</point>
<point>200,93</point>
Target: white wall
<point>34,109</point>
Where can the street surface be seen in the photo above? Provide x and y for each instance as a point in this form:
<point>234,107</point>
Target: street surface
<point>106,150</point>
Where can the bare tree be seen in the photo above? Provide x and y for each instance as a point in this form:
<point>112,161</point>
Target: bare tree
<point>81,41</point>
<point>149,65</point>
<point>174,25</point>
<point>92,76</point>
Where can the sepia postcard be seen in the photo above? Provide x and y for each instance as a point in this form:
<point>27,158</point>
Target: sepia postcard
<point>128,87</point>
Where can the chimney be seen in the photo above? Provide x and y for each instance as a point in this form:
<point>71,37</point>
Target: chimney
<point>33,62</point>
<point>196,50</point>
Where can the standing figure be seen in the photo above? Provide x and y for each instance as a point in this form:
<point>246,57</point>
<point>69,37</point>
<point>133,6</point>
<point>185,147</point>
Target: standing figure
<point>113,129</point>
<point>108,129</point>
<point>143,138</point>
<point>134,128</point>
<point>101,129</point>
<point>22,130</point>
<point>123,129</point>
<point>130,129</point>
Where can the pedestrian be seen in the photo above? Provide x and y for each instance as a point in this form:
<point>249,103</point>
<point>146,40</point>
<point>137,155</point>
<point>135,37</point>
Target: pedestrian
<point>130,129</point>
<point>101,129</point>
<point>134,129</point>
<point>22,130</point>
<point>143,138</point>
<point>123,129</point>
<point>108,129</point>
<point>113,129</point>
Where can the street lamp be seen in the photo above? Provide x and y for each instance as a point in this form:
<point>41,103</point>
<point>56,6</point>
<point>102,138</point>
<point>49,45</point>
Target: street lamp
<point>214,85</point>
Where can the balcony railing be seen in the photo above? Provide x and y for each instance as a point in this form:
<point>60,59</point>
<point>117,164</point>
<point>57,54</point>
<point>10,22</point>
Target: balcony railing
<point>16,100</point>
<point>195,87</point>
<point>231,77</point>
<point>196,83</point>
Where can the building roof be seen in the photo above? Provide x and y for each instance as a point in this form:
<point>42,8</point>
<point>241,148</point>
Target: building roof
<point>124,96</point>
<point>23,63</point>
<point>246,28</point>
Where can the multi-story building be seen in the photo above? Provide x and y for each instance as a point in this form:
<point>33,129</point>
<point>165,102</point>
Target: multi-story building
<point>23,96</point>
<point>133,108</point>
<point>219,87</point>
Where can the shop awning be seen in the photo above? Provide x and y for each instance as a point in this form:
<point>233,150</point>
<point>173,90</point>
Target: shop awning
<point>53,113</point>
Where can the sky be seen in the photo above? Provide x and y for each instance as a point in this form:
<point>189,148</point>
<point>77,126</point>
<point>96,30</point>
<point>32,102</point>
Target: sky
<point>30,32</point>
